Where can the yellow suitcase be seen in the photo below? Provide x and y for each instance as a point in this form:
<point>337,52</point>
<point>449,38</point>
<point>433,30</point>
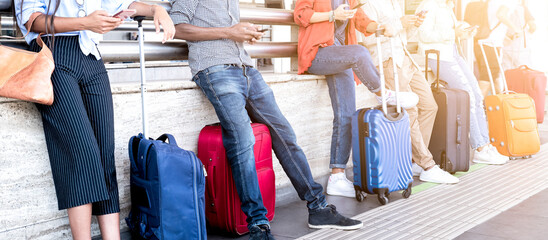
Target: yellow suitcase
<point>512,119</point>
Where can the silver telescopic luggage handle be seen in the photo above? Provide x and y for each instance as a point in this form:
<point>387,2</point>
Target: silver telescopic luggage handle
<point>485,42</point>
<point>139,20</point>
<point>379,33</point>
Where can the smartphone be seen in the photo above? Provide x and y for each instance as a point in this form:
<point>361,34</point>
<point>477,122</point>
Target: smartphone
<point>125,13</point>
<point>358,6</point>
<point>264,29</point>
<point>421,13</point>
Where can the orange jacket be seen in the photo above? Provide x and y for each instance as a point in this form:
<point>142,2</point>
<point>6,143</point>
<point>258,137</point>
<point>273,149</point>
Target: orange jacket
<point>315,35</point>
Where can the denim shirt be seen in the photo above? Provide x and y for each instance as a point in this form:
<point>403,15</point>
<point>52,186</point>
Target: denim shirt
<point>340,26</point>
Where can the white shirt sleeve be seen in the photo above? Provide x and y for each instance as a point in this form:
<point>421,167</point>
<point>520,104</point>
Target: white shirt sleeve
<point>22,13</point>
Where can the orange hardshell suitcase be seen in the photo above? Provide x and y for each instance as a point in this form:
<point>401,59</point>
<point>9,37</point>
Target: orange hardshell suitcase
<point>512,119</point>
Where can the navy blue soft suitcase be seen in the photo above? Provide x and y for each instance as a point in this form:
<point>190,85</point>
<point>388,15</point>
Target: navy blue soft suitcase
<point>167,183</point>
<point>381,148</point>
<point>167,190</point>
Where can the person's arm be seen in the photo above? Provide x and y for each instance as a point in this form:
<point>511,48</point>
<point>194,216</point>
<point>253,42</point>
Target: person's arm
<point>429,31</point>
<point>183,11</point>
<point>364,24</point>
<point>161,18</point>
<point>240,32</point>
<point>98,21</point>
<point>529,19</point>
<point>305,15</point>
<point>503,17</point>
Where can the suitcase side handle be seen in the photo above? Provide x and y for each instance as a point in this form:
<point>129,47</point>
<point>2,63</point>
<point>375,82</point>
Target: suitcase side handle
<point>459,129</point>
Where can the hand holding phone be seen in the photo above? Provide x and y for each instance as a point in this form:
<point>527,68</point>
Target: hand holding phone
<point>125,13</point>
<point>421,13</point>
<point>264,30</point>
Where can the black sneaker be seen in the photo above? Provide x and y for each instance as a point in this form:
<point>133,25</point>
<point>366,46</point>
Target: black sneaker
<point>330,218</point>
<point>260,232</point>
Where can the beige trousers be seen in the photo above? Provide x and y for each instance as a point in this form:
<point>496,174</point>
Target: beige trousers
<point>422,116</point>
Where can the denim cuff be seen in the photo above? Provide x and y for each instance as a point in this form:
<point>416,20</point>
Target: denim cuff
<point>375,90</point>
<point>260,222</point>
<point>316,205</point>
<point>337,165</point>
<point>480,145</point>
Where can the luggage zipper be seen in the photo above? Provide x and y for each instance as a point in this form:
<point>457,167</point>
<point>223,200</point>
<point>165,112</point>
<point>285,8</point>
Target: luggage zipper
<point>196,203</point>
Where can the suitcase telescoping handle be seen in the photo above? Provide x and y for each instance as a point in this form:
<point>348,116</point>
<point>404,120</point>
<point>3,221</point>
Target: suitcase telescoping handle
<point>481,44</point>
<point>379,33</point>
<point>139,20</point>
<point>427,53</point>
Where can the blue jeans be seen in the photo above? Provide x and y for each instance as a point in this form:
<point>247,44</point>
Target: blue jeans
<point>338,63</point>
<point>239,95</point>
<point>458,75</point>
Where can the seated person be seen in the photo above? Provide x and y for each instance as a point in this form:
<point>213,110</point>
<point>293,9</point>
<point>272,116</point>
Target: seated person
<point>439,31</point>
<point>223,70</point>
<point>411,78</point>
<point>328,46</point>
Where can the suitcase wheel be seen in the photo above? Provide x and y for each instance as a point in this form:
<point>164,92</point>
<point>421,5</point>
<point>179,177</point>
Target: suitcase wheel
<point>382,195</point>
<point>382,199</point>
<point>360,196</point>
<point>407,192</point>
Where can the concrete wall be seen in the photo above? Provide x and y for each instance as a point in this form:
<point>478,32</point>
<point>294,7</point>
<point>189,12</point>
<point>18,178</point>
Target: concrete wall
<point>28,203</point>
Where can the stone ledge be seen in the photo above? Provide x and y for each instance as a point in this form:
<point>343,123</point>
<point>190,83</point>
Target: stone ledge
<point>181,84</point>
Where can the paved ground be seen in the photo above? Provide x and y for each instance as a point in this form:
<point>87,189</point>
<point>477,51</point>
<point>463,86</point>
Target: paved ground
<point>491,202</point>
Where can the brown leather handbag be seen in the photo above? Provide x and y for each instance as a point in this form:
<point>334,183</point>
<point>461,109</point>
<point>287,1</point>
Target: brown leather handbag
<point>26,75</point>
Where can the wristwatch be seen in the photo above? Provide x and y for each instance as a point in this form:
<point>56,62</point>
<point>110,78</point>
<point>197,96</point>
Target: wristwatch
<point>331,16</point>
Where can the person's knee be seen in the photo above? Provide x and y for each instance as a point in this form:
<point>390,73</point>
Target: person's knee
<point>361,53</point>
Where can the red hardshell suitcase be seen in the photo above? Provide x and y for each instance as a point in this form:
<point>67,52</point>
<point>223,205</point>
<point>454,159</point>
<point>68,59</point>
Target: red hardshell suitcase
<point>531,82</point>
<point>222,202</point>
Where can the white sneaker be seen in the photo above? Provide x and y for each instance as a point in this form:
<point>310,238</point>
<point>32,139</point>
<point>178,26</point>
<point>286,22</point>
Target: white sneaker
<point>436,175</point>
<point>486,156</point>
<point>495,153</point>
<point>339,185</point>
<point>417,170</point>
<point>407,99</point>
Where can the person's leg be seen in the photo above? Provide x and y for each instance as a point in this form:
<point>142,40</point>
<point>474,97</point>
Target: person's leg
<point>485,152</point>
<point>336,59</point>
<point>73,149</point>
<point>453,73</point>
<point>97,98</point>
<point>427,107</point>
<point>421,119</point>
<point>227,89</point>
<point>109,224</point>
<point>421,154</point>
<point>342,92</point>
<point>262,107</point>
<point>80,222</point>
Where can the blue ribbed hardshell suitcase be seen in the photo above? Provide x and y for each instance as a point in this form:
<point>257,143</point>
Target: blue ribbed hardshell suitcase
<point>381,143</point>
<point>381,152</point>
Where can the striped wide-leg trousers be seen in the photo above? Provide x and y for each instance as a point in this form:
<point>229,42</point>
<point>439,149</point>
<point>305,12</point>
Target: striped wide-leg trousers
<point>79,130</point>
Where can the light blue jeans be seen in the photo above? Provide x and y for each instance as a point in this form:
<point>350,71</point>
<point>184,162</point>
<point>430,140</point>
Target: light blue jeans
<point>239,95</point>
<point>458,75</point>
<point>338,63</point>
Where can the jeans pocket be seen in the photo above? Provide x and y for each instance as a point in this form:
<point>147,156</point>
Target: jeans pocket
<point>216,68</point>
